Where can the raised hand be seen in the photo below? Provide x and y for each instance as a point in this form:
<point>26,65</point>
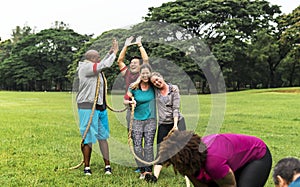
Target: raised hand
<point>128,41</point>
<point>138,40</point>
<point>115,46</point>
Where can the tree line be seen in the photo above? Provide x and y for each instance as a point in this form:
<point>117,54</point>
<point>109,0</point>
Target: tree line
<point>253,44</point>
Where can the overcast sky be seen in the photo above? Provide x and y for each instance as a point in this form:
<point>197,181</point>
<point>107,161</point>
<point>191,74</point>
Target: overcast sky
<point>84,17</point>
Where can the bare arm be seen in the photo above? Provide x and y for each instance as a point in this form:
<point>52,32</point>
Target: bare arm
<point>196,182</point>
<point>175,123</point>
<point>127,101</point>
<point>228,180</point>
<point>176,105</point>
<point>142,50</point>
<point>121,58</point>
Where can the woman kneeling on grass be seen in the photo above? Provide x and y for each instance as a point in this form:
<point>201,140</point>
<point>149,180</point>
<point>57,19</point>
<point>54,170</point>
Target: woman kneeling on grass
<point>224,160</point>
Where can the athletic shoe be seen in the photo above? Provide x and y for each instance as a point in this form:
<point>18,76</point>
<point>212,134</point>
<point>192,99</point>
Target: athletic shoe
<point>107,171</point>
<point>150,178</point>
<point>142,176</point>
<point>137,170</point>
<point>87,172</point>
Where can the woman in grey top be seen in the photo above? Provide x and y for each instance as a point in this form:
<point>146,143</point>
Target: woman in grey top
<point>168,104</point>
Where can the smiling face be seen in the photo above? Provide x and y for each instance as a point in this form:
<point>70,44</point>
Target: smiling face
<point>134,65</point>
<point>145,74</point>
<point>157,81</point>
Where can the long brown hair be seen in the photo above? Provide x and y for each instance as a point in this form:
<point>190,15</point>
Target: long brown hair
<point>136,83</point>
<point>185,151</point>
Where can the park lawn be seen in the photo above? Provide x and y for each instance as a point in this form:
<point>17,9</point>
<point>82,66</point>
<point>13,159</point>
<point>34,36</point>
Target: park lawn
<point>40,138</point>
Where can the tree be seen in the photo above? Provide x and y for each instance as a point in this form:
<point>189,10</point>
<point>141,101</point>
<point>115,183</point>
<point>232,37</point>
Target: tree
<point>40,60</point>
<point>172,51</point>
<point>227,27</point>
<point>5,49</point>
<point>5,53</point>
<point>19,33</point>
<point>265,56</point>
<point>289,30</point>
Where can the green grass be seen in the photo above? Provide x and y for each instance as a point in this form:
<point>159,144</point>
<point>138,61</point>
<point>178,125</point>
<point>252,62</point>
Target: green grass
<point>40,137</point>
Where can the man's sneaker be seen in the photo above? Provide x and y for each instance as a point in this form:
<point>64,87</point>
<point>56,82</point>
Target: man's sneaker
<point>87,171</point>
<point>107,171</point>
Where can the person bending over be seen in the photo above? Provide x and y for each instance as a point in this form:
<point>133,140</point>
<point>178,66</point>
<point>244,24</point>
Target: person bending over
<point>224,160</point>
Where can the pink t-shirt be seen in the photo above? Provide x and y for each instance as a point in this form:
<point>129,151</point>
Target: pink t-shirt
<point>229,151</point>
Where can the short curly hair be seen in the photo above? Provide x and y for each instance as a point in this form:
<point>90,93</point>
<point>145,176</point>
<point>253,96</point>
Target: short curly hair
<point>185,151</point>
<point>286,168</point>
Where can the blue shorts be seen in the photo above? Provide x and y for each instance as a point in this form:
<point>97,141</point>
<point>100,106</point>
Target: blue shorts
<point>99,129</point>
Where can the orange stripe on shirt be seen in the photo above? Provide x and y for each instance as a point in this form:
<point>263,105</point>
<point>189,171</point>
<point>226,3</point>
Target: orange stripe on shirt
<point>95,68</point>
<point>124,68</point>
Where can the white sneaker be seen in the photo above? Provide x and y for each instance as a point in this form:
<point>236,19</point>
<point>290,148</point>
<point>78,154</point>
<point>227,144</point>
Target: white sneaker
<point>107,171</point>
<point>87,171</point>
<point>142,176</point>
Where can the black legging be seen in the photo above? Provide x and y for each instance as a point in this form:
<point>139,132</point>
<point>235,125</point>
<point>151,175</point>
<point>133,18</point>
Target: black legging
<point>164,129</point>
<point>253,174</point>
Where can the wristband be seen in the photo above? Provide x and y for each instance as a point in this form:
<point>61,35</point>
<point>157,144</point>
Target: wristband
<point>140,46</point>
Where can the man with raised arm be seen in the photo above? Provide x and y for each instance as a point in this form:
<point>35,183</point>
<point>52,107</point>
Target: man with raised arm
<point>88,72</point>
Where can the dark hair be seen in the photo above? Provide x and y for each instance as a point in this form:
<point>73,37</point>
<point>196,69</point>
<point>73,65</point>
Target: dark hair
<point>136,57</point>
<point>286,168</point>
<point>136,83</point>
<point>143,66</point>
<point>184,150</point>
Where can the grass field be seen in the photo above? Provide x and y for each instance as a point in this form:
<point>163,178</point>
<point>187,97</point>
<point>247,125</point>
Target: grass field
<point>40,138</point>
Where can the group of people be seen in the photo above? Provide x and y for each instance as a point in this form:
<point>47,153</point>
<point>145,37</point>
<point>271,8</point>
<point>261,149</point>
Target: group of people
<point>213,160</point>
<point>146,93</point>
<point>145,89</point>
